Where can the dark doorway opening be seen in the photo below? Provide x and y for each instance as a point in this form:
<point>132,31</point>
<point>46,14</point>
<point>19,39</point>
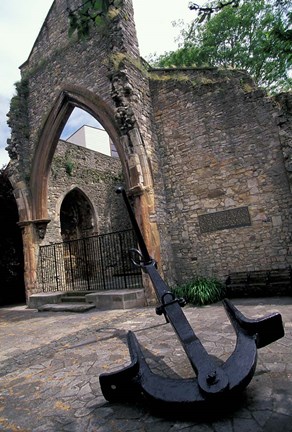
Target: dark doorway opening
<point>12,289</point>
<point>76,216</point>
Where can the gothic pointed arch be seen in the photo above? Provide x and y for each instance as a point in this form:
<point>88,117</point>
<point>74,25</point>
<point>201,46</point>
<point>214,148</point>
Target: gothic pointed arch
<point>77,215</point>
<point>69,98</point>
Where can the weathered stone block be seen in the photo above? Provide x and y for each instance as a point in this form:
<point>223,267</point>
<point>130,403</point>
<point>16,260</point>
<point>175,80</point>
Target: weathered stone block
<point>117,299</point>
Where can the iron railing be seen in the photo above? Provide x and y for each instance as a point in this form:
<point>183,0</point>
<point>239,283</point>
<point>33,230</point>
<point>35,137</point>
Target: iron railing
<point>90,264</point>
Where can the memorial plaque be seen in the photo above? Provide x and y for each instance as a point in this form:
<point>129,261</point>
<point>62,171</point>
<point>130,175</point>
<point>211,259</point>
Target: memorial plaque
<point>234,218</point>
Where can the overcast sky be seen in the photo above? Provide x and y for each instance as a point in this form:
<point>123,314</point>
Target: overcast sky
<point>21,21</point>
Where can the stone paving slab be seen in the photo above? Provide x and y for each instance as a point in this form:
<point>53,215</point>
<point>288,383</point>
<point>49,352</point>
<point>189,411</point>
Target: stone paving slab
<point>66,307</point>
<point>50,365</point>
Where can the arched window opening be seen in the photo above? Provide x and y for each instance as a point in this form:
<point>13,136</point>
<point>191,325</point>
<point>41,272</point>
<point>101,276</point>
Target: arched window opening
<point>56,159</point>
<point>84,130</point>
<point>85,159</point>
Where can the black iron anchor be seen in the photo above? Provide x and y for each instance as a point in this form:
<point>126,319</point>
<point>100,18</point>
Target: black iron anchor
<point>213,382</point>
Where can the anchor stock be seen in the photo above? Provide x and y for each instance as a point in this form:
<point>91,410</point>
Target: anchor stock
<point>212,382</point>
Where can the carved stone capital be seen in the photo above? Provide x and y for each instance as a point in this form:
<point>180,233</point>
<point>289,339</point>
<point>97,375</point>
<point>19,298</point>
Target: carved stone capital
<point>40,225</point>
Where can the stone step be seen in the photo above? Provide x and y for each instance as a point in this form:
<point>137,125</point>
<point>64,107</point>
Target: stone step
<point>117,299</point>
<point>76,293</point>
<point>107,299</point>
<point>73,299</point>
<point>66,307</point>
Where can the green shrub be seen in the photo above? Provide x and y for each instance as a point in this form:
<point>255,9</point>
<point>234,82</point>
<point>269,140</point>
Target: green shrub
<point>201,291</point>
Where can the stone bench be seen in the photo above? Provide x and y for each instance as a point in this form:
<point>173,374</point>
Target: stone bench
<point>259,283</point>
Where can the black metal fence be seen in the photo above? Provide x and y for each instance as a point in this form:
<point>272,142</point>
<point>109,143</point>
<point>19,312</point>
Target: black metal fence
<point>94,263</point>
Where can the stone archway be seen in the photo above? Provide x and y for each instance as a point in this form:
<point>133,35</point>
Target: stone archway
<point>76,216</point>
<point>68,99</point>
<point>35,219</point>
<point>134,164</point>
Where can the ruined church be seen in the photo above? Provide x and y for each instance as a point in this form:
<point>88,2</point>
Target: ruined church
<point>204,155</point>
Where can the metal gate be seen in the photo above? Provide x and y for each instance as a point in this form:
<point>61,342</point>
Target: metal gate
<point>90,264</point>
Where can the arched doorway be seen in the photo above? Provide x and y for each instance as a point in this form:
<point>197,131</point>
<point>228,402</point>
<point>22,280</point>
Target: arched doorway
<point>76,216</point>
<point>12,288</point>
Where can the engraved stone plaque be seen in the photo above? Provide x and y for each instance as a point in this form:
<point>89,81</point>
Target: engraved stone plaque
<point>234,218</point>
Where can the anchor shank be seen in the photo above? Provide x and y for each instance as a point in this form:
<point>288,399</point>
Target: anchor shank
<point>211,378</point>
<point>146,257</point>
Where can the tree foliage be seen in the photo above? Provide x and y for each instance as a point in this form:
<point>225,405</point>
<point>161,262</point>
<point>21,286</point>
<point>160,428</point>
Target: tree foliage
<point>254,36</point>
<point>206,11</point>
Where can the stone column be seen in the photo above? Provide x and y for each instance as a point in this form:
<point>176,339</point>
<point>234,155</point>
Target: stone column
<point>32,232</point>
<point>141,189</point>
<point>29,255</point>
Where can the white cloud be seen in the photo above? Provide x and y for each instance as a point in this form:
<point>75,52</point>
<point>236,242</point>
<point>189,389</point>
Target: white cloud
<point>20,22</point>
<point>4,158</point>
<point>154,18</point>
<point>4,129</point>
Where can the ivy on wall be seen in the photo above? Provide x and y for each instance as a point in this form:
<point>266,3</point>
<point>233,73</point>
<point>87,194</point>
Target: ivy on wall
<point>18,117</point>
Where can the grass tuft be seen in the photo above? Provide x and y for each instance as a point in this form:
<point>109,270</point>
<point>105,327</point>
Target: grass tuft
<point>201,291</point>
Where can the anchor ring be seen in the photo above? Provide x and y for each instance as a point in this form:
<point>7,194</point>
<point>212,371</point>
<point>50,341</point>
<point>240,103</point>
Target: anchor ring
<point>138,259</point>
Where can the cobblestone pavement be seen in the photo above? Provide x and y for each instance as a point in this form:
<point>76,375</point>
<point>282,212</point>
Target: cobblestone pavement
<point>50,365</point>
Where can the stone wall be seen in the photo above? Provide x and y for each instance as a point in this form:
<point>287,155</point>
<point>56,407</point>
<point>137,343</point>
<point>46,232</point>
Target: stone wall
<point>97,176</point>
<point>220,150</point>
<point>283,102</point>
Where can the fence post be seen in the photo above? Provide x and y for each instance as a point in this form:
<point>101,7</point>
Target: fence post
<point>101,261</point>
<point>56,268</point>
<point>123,261</point>
<point>42,272</point>
<point>86,264</point>
<point>71,265</point>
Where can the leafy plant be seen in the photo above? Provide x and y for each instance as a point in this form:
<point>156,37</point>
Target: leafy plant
<point>69,165</point>
<point>201,291</point>
<point>90,11</point>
